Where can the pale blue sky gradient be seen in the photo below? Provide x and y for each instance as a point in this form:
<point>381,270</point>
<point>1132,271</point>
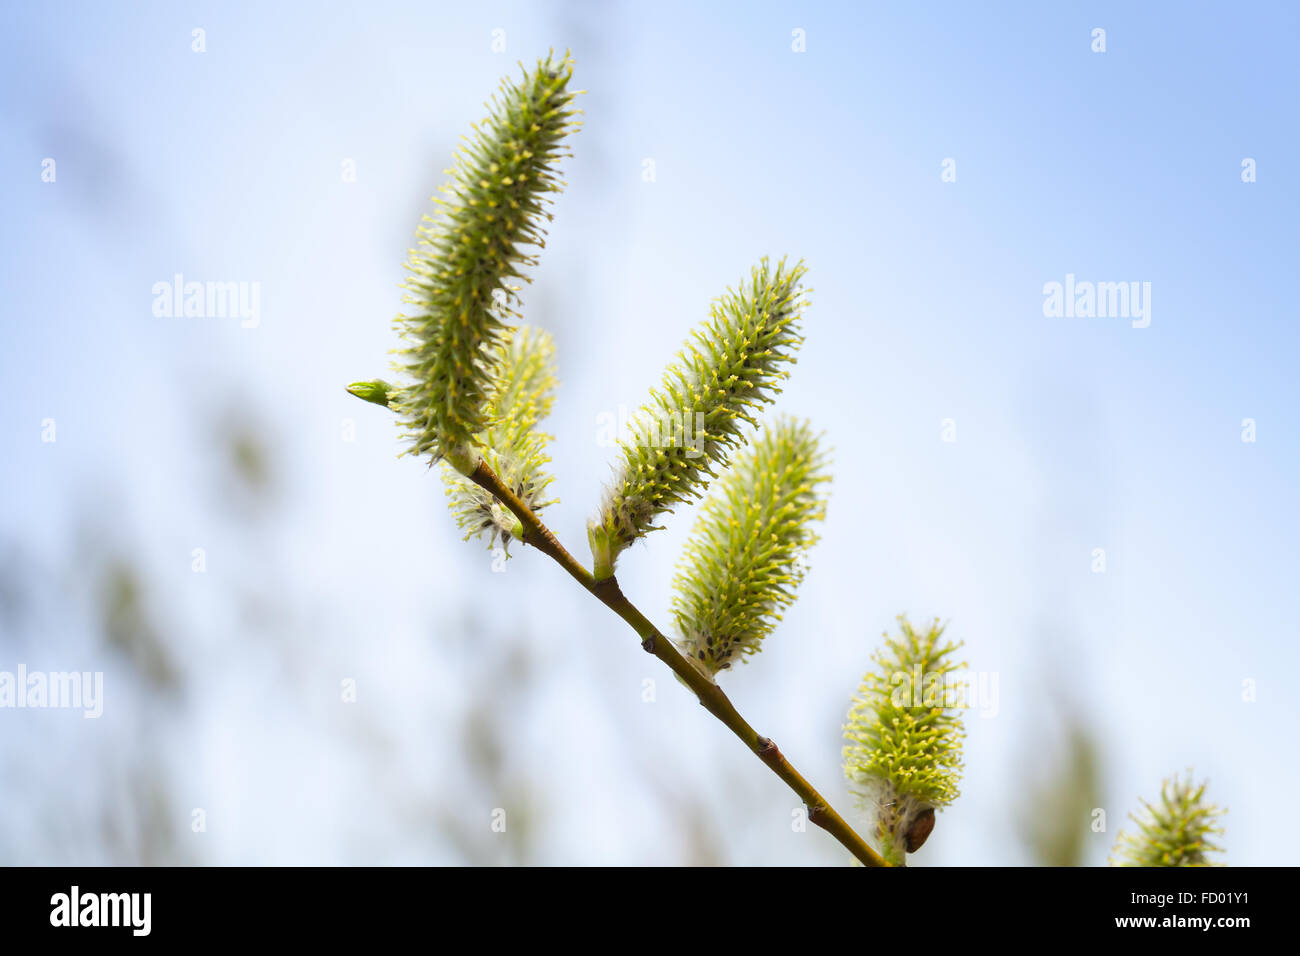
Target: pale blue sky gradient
<point>1072,434</point>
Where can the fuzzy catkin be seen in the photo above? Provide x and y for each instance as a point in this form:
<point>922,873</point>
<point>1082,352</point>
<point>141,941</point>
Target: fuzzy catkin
<point>520,395</point>
<point>745,556</point>
<point>466,257</point>
<point>1176,831</point>
<point>727,370</point>
<point>903,737</point>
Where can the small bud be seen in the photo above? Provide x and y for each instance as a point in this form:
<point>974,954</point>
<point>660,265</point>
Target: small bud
<point>376,391</point>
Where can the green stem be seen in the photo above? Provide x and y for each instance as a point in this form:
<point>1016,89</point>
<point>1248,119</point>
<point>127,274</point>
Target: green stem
<point>710,695</point>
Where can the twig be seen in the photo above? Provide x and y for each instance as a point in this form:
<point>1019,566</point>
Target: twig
<point>710,695</point>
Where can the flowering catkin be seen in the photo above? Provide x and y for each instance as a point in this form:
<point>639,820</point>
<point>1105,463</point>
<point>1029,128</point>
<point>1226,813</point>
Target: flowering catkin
<point>728,368</point>
<point>1176,832</point>
<point>467,256</point>
<point>903,737</point>
<point>521,394</point>
<point>744,559</point>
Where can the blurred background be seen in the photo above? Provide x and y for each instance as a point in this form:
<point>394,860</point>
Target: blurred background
<point>302,661</point>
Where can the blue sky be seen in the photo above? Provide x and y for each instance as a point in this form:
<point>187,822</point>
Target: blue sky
<point>1071,434</point>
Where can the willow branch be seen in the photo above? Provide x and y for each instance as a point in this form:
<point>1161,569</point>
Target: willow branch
<point>709,694</point>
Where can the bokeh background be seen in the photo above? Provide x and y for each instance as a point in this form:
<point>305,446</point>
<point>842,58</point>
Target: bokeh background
<point>330,560</point>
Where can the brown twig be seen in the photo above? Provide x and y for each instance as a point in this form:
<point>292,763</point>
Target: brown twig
<point>709,694</point>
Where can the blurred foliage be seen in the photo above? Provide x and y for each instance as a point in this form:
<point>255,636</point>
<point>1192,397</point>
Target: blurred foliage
<point>503,687</point>
<point>1056,816</point>
<point>127,625</point>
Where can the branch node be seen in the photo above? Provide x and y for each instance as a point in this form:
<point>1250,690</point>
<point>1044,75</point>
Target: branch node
<point>607,590</point>
<point>817,813</point>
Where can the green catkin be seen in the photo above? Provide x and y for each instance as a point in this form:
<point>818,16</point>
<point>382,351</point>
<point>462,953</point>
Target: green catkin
<point>903,735</point>
<point>745,556</point>
<point>466,258</point>
<point>1175,832</point>
<point>521,394</point>
<point>727,370</point>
